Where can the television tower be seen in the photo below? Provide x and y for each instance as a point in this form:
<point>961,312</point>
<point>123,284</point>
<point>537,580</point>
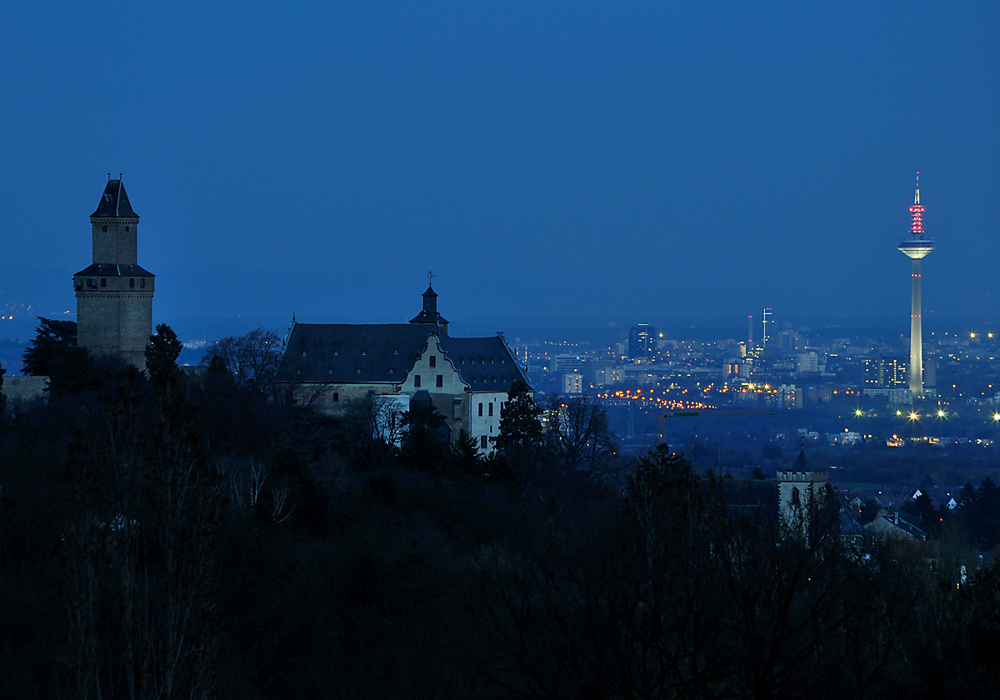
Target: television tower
<point>916,247</point>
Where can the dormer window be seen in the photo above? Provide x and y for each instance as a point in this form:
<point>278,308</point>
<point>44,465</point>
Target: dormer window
<point>335,353</point>
<point>303,353</point>
<point>363,353</point>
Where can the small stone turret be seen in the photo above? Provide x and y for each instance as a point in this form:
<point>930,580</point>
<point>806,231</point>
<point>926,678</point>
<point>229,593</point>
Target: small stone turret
<point>114,296</point>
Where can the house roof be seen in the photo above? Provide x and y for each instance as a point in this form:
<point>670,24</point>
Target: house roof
<point>485,364</point>
<point>110,270</point>
<point>340,353</point>
<point>114,202</point>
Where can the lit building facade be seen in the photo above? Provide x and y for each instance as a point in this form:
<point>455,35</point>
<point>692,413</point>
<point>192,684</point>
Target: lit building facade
<point>886,372</point>
<point>641,342</point>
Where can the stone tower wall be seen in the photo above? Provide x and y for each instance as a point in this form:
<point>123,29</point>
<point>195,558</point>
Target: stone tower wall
<point>116,323</point>
<point>114,240</point>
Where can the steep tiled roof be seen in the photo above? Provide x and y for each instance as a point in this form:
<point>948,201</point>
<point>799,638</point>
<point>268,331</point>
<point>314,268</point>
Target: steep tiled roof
<point>485,364</point>
<point>114,202</point>
<point>114,271</point>
<point>340,353</point>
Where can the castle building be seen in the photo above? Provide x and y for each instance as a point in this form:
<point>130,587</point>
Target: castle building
<point>467,379</point>
<point>114,296</point>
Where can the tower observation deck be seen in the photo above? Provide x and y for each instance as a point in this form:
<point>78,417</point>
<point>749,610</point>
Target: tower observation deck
<point>916,247</point>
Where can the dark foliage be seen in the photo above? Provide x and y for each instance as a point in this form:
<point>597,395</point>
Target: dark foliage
<point>54,353</point>
<point>173,534</point>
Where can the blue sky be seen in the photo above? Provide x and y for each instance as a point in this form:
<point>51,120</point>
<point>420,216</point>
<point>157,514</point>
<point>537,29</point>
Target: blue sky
<point>591,162</point>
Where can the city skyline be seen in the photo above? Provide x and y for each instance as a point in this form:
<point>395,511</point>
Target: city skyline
<point>599,166</point>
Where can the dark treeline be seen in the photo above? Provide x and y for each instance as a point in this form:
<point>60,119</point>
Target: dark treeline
<point>168,534</point>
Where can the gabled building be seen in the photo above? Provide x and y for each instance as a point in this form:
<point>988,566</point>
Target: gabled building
<point>468,379</point>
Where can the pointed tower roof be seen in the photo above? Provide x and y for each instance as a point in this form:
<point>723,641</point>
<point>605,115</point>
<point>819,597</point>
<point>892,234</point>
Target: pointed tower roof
<point>429,314</point>
<point>800,461</point>
<point>114,202</point>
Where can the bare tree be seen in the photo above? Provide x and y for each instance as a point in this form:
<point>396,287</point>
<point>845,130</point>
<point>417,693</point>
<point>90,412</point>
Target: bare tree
<point>578,434</point>
<point>251,359</point>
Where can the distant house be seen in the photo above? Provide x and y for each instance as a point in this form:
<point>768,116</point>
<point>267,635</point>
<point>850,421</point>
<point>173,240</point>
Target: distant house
<point>892,527</point>
<point>467,379</point>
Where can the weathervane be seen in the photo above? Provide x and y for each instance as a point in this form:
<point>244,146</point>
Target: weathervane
<point>430,278</point>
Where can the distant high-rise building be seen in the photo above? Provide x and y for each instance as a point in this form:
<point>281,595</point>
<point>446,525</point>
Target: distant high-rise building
<point>641,341</point>
<point>766,337</point>
<point>916,247</point>
<point>114,296</point>
<point>886,372</point>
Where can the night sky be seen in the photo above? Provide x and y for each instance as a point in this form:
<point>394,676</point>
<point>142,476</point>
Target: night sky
<point>550,162</point>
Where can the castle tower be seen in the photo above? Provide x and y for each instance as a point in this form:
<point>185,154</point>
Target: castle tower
<point>114,296</point>
<point>916,247</point>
